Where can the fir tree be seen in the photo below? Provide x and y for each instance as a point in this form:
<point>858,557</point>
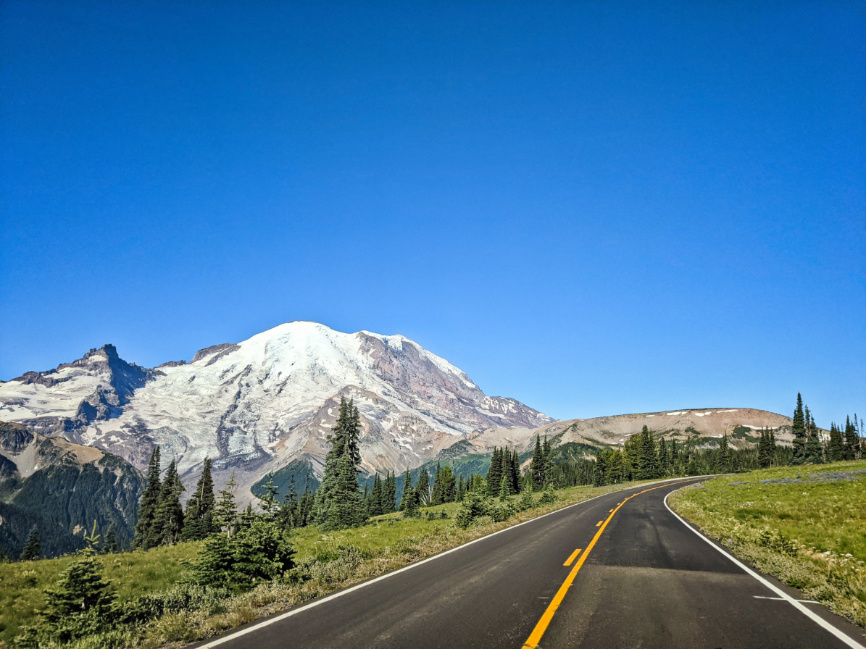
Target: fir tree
<point>111,544</point>
<point>408,491</point>
<point>389,494</point>
<point>81,604</point>
<point>199,518</point>
<point>536,466</point>
<point>494,473</point>
<point>515,472</point>
<point>31,549</point>
<point>798,430</point>
<point>724,465</point>
<point>338,501</point>
<point>437,497</point>
<point>145,532</point>
<point>422,489</point>
<point>548,461</point>
<point>852,439</point>
<point>374,507</point>
<point>225,512</point>
<point>168,524</point>
<point>836,447</point>
<point>461,488</point>
<point>814,448</point>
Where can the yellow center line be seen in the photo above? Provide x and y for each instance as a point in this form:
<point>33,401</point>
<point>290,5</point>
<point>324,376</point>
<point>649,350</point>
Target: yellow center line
<point>541,627</point>
<point>572,557</point>
<point>599,523</point>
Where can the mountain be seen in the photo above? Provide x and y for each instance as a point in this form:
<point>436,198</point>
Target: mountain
<point>704,426</point>
<point>258,405</point>
<point>61,488</point>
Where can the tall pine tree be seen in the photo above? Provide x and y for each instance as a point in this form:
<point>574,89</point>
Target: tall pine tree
<point>199,518</point>
<point>146,534</point>
<point>338,499</point>
<point>168,523</point>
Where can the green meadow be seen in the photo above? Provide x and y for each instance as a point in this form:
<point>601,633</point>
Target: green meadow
<point>805,525</point>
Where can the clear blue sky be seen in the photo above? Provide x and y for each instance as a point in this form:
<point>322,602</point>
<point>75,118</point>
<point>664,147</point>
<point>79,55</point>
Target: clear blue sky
<point>595,208</point>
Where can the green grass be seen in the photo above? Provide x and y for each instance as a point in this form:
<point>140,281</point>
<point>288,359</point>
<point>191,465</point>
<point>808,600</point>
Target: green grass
<point>795,523</point>
<point>132,573</point>
<point>326,562</point>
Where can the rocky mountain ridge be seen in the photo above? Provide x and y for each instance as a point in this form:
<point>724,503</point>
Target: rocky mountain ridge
<point>257,405</point>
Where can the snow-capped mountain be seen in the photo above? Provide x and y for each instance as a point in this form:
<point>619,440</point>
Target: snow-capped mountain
<point>254,406</point>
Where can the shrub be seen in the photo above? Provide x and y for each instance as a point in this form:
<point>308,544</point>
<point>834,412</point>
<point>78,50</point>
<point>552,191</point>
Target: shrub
<point>258,552</point>
<point>548,496</point>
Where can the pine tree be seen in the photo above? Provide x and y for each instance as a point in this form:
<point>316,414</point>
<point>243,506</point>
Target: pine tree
<point>515,472</point>
<point>145,532</point>
<point>32,548</point>
<point>338,501</point>
<point>548,461</point>
<point>375,500</point>
<point>836,447</point>
<point>461,488</point>
<point>494,473</point>
<point>81,604</point>
<point>408,492</point>
<point>389,503</point>
<point>536,466</point>
<point>111,544</point>
<point>814,448</point>
<point>765,455</point>
<point>422,489</point>
<point>168,523</point>
<point>798,430</point>
<point>663,458</point>
<point>226,512</point>
<point>852,439</point>
<point>198,520</point>
<point>436,495</point>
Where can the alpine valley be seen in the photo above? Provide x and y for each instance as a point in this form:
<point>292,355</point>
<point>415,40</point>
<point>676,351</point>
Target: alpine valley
<point>266,403</point>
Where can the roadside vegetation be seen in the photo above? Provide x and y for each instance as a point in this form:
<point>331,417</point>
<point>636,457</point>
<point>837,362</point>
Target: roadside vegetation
<point>803,524</point>
<point>197,571</point>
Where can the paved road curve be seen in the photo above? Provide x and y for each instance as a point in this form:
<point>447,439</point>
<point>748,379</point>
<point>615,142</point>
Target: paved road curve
<point>646,581</point>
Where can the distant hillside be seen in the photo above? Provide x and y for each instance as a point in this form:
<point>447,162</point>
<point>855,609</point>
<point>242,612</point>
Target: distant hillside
<point>704,426</point>
<point>61,488</point>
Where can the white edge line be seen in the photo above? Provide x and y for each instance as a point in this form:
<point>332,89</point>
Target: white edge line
<point>346,591</point>
<point>783,595</point>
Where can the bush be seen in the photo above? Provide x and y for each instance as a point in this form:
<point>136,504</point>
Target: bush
<point>548,496</point>
<point>258,552</point>
<point>474,506</point>
<point>526,500</point>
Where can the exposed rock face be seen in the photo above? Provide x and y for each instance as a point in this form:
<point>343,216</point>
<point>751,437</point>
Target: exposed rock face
<point>257,405</point>
<point>62,488</point>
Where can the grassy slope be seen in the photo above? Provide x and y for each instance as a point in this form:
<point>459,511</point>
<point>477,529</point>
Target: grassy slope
<point>805,525</point>
<point>329,562</point>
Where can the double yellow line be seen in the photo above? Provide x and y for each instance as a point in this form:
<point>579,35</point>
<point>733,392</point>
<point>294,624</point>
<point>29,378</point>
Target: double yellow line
<point>541,627</point>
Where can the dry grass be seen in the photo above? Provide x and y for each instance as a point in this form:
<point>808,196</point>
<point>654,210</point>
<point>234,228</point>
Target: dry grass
<point>804,525</point>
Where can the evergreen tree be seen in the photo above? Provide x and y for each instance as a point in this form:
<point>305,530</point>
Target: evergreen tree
<point>145,532</point>
<point>852,439</point>
<point>408,492</point>
<point>375,501</point>
<point>168,524</point>
<point>198,520</point>
<point>663,458</point>
<point>81,604</point>
<point>437,497</point>
<point>765,453</point>
<point>548,461</point>
<point>494,473</point>
<point>461,488</point>
<point>422,489</point>
<point>798,430</point>
<point>225,512</point>
<point>268,499</point>
<point>537,466</point>
<point>31,549</point>
<point>515,472</point>
<point>814,448</point>
<point>389,494</point>
<point>836,447</point>
<point>338,500</point>
<point>111,544</point>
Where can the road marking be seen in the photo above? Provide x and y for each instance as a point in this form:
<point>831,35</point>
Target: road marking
<point>782,594</point>
<point>609,510</point>
<point>572,557</point>
<point>232,635</point>
<point>782,599</point>
<point>541,627</point>
<point>599,523</point>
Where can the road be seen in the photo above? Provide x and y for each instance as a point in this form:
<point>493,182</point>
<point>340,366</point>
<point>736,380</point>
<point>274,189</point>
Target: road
<point>642,579</point>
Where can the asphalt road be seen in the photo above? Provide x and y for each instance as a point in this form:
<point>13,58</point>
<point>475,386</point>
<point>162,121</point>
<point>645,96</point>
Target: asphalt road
<point>647,580</point>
